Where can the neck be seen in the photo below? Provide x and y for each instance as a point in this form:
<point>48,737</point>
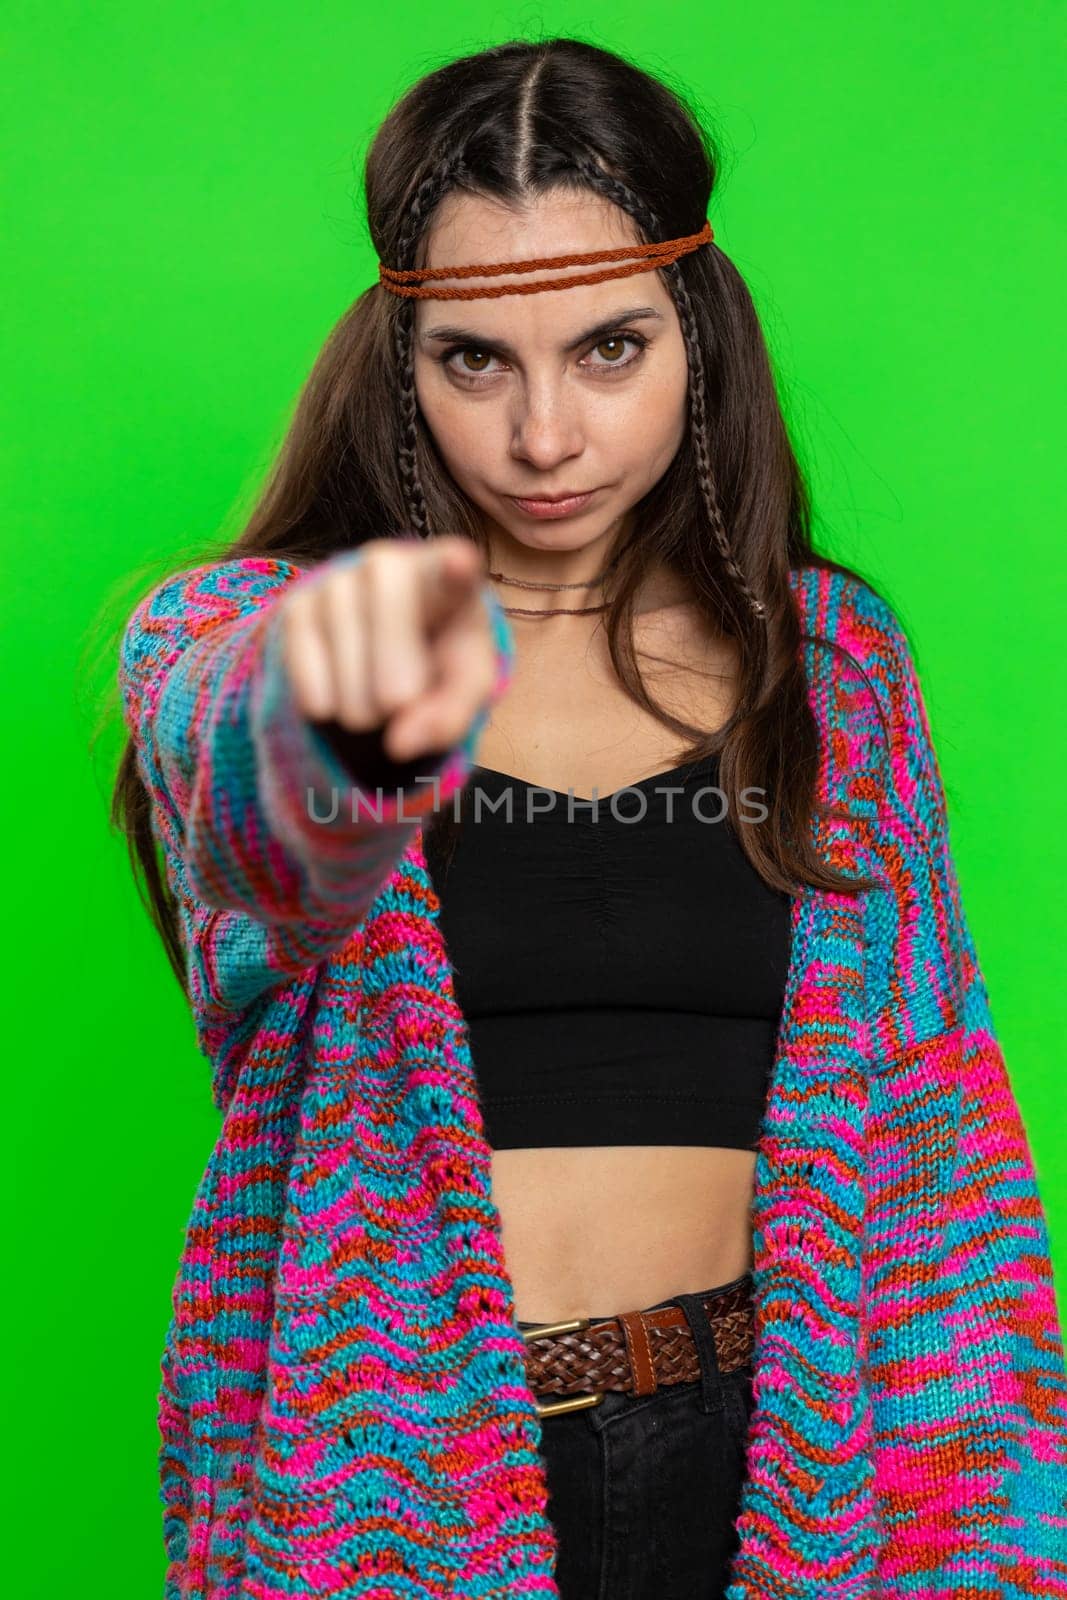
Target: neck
<point>584,567</point>
<point>661,587</point>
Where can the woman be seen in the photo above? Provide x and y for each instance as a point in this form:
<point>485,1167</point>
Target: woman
<point>723,1100</point>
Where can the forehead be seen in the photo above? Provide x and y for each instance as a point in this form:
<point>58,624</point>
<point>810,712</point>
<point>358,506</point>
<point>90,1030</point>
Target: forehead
<point>467,230</point>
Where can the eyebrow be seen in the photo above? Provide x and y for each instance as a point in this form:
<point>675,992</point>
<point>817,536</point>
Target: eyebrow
<point>470,336</point>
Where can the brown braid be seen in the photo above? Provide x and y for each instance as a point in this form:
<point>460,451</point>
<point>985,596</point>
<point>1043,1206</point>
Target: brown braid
<point>620,194</point>
<point>427,196</point>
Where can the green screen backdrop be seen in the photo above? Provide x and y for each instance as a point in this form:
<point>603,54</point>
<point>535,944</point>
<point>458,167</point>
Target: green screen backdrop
<point>184,227</point>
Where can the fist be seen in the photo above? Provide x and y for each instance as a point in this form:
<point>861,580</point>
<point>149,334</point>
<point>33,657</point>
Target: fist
<point>396,636</point>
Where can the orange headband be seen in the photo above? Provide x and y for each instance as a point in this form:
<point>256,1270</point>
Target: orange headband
<point>650,256</point>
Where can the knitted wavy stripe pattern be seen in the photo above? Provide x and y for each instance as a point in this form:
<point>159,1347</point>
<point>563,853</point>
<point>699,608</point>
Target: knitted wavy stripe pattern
<point>966,1354</point>
<point>344,1408</point>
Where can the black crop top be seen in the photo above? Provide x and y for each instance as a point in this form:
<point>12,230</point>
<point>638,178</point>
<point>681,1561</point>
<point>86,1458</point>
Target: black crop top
<point>621,966</point>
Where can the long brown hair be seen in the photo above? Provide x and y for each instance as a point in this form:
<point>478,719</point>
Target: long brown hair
<point>731,513</point>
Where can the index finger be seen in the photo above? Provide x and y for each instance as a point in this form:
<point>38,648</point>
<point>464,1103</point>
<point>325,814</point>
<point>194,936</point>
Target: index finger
<point>450,576</point>
<point>463,665</point>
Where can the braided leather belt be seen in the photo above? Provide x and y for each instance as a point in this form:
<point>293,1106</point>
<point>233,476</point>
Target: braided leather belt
<point>635,1351</point>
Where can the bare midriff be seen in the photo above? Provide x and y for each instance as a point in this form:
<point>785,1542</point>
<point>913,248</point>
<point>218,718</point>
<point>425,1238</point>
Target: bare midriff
<point>594,1230</point>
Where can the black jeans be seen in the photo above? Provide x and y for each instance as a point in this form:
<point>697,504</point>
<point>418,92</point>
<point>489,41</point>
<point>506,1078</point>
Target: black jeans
<point>644,1491</point>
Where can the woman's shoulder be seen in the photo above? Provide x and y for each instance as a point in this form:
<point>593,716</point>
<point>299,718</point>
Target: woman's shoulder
<point>859,644</point>
<point>841,609</point>
<point>877,686</point>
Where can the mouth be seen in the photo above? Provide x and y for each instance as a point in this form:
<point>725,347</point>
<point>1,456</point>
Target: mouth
<point>553,505</point>
<point>554,499</point>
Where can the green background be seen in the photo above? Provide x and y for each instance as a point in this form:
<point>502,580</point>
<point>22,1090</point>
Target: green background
<point>183,206</point>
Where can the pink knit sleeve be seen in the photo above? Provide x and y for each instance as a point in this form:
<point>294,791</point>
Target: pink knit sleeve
<point>956,1225</point>
<point>274,848</point>
<point>1000,1296</point>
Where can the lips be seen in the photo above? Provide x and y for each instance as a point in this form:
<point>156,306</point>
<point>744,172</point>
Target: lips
<point>553,510</point>
<point>552,499</point>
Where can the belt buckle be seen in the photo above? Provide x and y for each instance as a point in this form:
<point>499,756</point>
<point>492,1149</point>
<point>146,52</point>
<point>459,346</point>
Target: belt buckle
<point>577,1402</point>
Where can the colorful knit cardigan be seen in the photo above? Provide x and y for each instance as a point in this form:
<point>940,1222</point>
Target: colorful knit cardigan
<point>344,1408</point>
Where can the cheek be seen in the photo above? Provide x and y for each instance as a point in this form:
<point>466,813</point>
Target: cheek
<point>673,408</point>
<point>464,441</point>
<point>460,432</point>
<point>651,424</point>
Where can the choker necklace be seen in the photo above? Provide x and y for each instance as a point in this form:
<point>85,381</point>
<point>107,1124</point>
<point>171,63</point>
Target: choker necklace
<point>554,611</point>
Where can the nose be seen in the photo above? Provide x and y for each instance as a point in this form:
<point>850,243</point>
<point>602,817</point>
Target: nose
<point>546,426</point>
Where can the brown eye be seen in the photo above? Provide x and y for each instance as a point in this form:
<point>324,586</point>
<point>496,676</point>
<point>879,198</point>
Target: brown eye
<point>617,342</point>
<point>474,360</point>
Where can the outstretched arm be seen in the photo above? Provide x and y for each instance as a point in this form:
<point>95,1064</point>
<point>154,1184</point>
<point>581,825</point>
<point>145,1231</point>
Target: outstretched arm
<point>275,834</point>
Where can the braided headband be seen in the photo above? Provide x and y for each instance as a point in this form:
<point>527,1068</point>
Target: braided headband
<point>649,257</point>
